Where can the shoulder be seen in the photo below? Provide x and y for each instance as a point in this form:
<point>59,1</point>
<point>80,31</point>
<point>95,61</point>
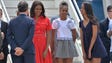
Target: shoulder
<point>46,18</point>
<point>56,19</point>
<point>70,20</point>
<point>29,18</point>
<point>13,19</point>
<point>41,18</point>
<point>104,20</point>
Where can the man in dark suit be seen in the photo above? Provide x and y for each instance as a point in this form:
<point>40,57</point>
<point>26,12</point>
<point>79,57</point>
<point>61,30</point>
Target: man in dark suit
<point>20,33</point>
<point>4,44</point>
<point>104,26</point>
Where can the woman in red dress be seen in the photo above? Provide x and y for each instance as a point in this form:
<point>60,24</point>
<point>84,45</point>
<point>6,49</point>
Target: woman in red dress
<point>42,33</point>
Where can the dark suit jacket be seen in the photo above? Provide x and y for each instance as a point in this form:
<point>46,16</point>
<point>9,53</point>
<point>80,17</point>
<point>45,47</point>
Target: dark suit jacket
<point>106,40</point>
<point>103,34</point>
<point>4,26</point>
<point>20,33</point>
<point>4,47</point>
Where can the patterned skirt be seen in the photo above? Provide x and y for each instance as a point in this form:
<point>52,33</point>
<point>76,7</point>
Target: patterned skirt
<point>65,49</point>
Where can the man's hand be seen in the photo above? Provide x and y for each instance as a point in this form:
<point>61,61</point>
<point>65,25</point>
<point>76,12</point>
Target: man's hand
<point>18,51</point>
<point>1,56</point>
<point>109,33</point>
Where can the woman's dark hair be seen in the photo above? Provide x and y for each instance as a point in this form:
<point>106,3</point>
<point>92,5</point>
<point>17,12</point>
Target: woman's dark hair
<point>89,12</point>
<point>35,3</point>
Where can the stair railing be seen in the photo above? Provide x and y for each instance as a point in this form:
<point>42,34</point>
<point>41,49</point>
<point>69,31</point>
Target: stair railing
<point>75,13</point>
<point>4,10</point>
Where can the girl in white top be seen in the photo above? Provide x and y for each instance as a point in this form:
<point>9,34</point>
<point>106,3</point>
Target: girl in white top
<point>64,35</point>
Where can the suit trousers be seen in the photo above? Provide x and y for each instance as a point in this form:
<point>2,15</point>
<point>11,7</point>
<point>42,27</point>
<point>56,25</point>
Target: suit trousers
<point>25,58</point>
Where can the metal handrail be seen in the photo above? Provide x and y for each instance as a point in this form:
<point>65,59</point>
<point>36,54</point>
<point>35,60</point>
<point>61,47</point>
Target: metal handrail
<point>4,9</point>
<point>78,10</point>
<point>76,14</point>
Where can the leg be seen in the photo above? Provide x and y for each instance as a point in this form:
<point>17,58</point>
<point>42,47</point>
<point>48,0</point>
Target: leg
<point>54,60</point>
<point>68,60</point>
<point>96,60</point>
<point>87,61</point>
<point>17,59</point>
<point>59,60</point>
<point>29,58</point>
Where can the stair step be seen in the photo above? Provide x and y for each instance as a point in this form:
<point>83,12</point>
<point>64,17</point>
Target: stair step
<point>49,12</point>
<point>32,0</point>
<point>47,4</point>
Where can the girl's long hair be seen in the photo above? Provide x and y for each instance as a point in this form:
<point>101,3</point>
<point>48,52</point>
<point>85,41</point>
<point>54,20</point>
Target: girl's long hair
<point>90,14</point>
